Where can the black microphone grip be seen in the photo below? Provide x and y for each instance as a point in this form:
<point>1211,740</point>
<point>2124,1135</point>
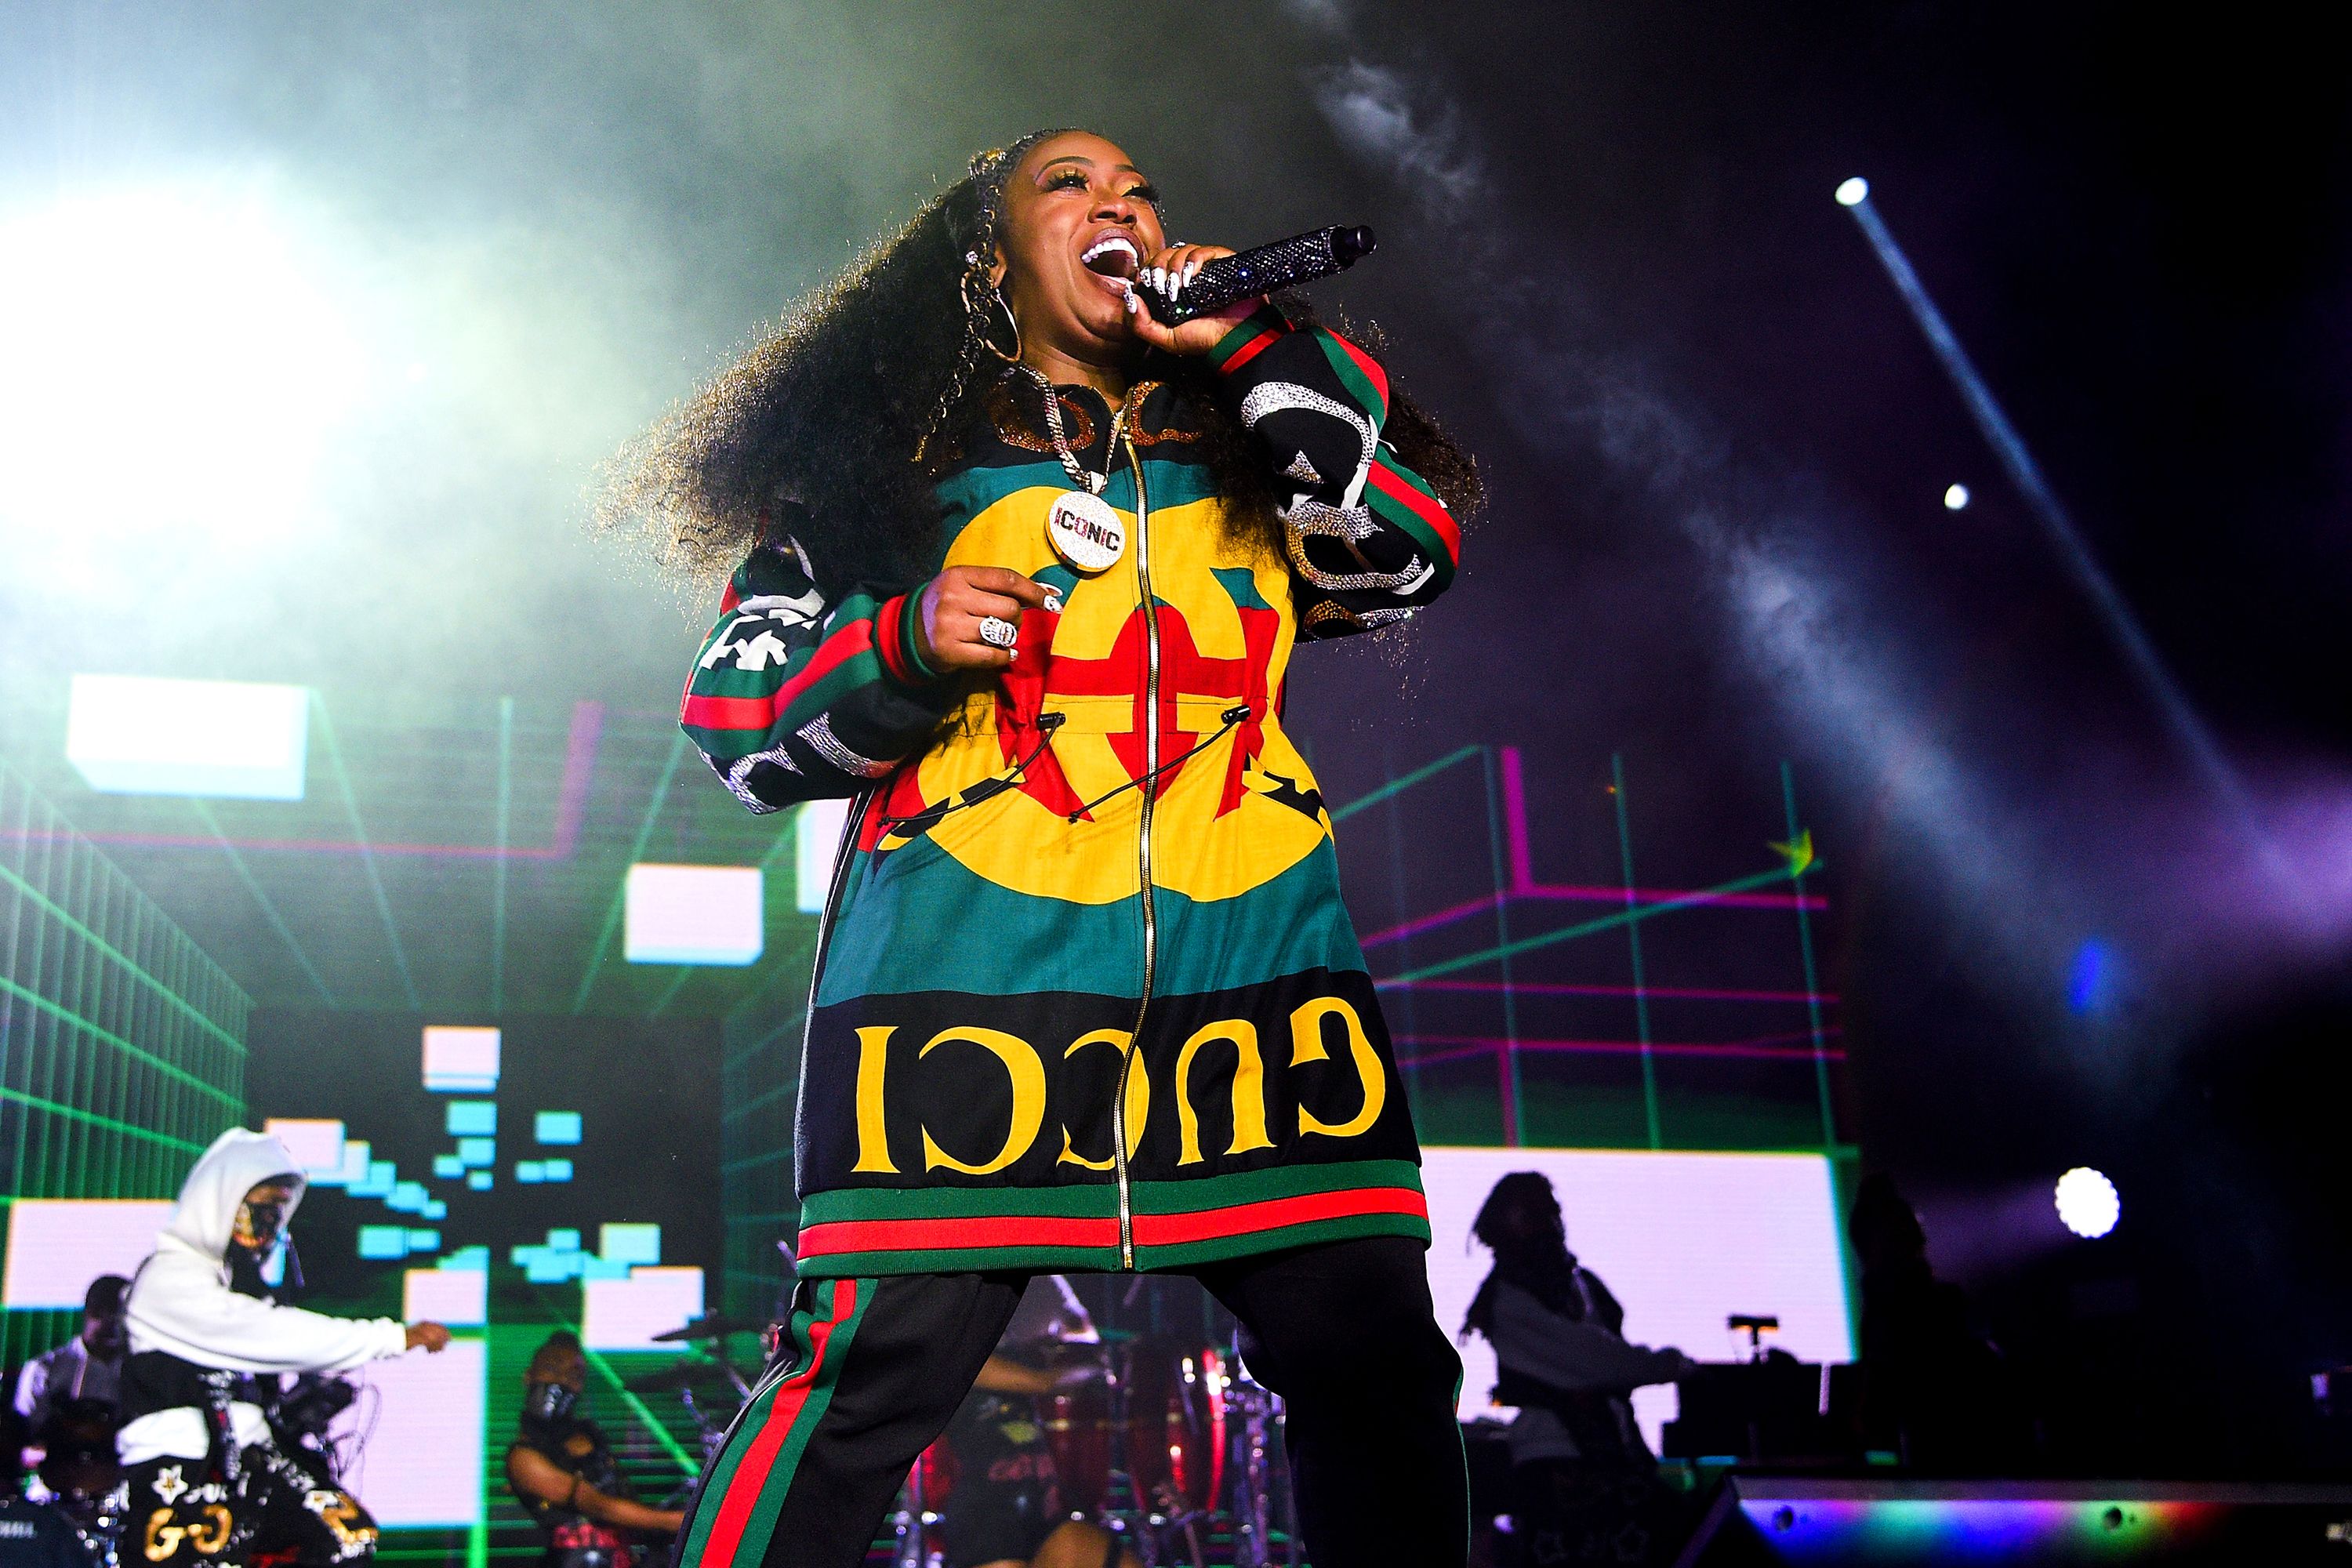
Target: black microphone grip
<point>1284,264</point>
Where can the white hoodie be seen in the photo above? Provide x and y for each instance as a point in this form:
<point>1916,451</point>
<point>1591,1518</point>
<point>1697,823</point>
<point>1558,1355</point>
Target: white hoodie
<point>181,1303</point>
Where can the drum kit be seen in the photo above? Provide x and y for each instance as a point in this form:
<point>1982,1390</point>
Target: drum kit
<point>1166,1442</point>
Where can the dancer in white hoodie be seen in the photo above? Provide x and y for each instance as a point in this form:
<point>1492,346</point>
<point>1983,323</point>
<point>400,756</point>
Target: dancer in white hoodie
<point>207,1484</point>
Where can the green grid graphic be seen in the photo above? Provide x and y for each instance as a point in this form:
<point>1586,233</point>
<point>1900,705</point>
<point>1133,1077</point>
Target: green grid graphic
<point>759,1076</point>
<point>121,1045</point>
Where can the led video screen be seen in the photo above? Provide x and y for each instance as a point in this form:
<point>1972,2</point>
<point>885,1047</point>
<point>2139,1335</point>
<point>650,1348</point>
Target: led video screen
<point>1684,1240</point>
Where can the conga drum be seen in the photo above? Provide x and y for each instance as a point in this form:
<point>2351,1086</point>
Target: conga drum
<point>1078,1434</point>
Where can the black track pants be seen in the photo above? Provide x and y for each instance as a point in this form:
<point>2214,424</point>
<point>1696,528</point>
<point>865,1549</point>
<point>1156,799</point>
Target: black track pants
<point>873,1368</point>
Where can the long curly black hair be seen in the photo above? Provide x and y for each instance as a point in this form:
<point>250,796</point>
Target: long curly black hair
<point>856,405</point>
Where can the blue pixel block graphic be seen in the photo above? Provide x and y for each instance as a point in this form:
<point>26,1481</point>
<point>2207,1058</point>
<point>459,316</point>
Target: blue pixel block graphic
<point>542,1266</point>
<point>529,1170</point>
<point>473,1118</point>
<point>434,1209</point>
<point>424,1241</point>
<point>478,1153</point>
<point>555,1170</point>
<point>380,1175</point>
<point>474,1258</point>
<point>559,1259</point>
<point>557,1127</point>
<point>407,1197</point>
<point>480,1181</point>
<point>383,1241</point>
<point>626,1243</point>
<point>449,1166</point>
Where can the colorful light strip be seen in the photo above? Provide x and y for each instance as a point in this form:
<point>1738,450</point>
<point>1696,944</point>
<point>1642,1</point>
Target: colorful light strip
<point>1947,1530</point>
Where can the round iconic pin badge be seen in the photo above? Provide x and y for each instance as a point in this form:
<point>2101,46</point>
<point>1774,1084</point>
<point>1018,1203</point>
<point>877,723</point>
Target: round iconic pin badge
<point>1086,531</point>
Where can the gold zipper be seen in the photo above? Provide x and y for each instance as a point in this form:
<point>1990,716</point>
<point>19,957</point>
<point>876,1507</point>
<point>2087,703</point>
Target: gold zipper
<point>1144,850</point>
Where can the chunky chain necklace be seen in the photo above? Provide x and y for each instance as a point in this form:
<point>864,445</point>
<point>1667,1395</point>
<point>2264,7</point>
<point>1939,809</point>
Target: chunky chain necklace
<point>1091,483</point>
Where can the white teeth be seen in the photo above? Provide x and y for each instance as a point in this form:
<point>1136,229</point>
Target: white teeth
<point>1110,242</point>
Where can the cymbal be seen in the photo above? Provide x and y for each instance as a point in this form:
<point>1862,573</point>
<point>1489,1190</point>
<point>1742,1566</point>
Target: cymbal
<point>669,1379</point>
<point>714,1327</point>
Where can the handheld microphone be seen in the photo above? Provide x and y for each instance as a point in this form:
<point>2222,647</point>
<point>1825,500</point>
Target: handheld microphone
<point>1284,264</point>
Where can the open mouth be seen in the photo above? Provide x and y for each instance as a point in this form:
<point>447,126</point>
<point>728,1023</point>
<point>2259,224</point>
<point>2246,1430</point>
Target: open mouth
<point>1113,257</point>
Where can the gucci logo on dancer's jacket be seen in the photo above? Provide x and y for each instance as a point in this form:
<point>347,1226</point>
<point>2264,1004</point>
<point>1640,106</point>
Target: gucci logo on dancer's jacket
<point>1025,1067</point>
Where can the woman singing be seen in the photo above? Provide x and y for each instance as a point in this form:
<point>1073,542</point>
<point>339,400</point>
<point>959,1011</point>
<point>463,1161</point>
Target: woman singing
<point>1021,571</point>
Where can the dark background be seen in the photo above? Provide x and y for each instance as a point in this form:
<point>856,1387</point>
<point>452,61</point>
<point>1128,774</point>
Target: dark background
<point>1715,443</point>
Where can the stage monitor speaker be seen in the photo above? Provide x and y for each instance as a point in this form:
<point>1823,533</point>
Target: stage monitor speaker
<point>1824,1523</point>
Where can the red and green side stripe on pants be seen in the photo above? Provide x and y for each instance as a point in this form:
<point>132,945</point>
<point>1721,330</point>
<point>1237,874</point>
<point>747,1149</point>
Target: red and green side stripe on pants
<point>744,1488</point>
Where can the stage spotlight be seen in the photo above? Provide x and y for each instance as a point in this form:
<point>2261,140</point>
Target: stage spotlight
<point>2087,1202</point>
<point>1955,497</point>
<point>174,369</point>
<point>1853,191</point>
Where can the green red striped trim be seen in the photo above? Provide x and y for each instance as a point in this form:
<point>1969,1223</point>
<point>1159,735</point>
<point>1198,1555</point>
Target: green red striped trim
<point>735,1515</point>
<point>1275,1214</point>
<point>1249,338</point>
<point>894,639</point>
<point>959,1235</point>
<point>1311,1233</point>
<point>1358,371</point>
<point>1413,503</point>
<point>901,1229</point>
<point>760,713</point>
<point>1149,1255</point>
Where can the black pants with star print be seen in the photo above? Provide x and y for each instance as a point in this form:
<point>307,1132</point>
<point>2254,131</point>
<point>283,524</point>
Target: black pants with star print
<point>278,1509</point>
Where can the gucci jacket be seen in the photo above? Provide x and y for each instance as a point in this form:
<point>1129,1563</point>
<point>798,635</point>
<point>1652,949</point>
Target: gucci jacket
<point>1086,997</point>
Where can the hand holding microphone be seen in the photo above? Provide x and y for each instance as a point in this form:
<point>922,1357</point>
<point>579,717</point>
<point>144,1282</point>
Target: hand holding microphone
<point>1188,296</point>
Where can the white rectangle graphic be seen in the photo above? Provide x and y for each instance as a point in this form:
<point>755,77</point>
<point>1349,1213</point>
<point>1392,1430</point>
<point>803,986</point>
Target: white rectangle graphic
<point>423,1415</point>
<point>129,734</point>
<point>817,828</point>
<point>455,1297</point>
<point>58,1246</point>
<point>694,914</point>
<point>626,1314</point>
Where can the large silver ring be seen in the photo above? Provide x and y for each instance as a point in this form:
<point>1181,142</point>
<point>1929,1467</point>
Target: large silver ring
<point>998,632</point>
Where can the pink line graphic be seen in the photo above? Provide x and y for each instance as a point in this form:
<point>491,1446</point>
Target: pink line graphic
<point>1792,1048</point>
<point>1525,885</point>
<point>1551,988</point>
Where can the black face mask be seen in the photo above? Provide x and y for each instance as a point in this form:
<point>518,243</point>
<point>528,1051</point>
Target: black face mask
<point>549,1402</point>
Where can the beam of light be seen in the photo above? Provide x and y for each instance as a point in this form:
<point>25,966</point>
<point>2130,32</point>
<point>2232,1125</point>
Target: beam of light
<point>614,911</point>
<point>2087,1202</point>
<point>174,371</point>
<point>2188,730</point>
